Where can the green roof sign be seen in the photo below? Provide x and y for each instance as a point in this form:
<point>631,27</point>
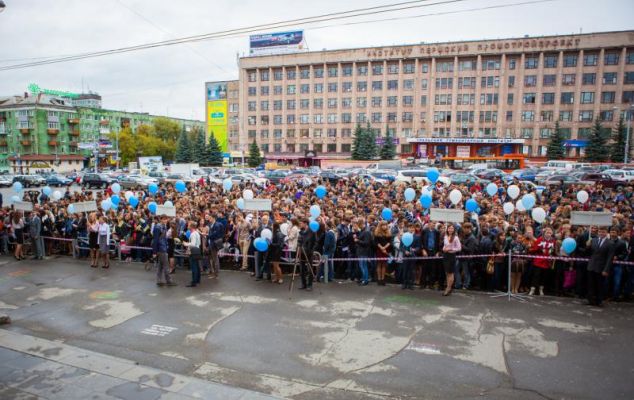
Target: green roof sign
<point>34,88</point>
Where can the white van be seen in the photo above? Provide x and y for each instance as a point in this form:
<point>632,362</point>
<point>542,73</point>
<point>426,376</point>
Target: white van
<point>560,165</point>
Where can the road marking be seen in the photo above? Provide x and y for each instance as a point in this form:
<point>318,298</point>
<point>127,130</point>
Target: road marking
<point>104,295</point>
<point>158,330</point>
<point>423,348</point>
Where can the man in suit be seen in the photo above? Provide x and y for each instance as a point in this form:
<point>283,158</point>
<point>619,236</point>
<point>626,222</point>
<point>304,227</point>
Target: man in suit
<point>215,235</point>
<point>305,245</point>
<point>602,253</point>
<point>35,231</point>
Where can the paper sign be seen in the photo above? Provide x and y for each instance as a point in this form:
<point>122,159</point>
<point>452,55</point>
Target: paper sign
<point>23,206</point>
<point>446,215</point>
<point>590,218</point>
<point>85,206</point>
<point>166,210</point>
<point>258,205</point>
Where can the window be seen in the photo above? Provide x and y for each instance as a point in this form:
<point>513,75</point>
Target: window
<point>391,117</point>
<point>318,103</point>
<point>509,99</point>
<point>278,75</point>
<point>290,118</point>
<point>609,78</point>
<point>512,81</point>
<point>408,101</point>
<point>548,98</point>
<point>530,80</point>
<point>424,68</point>
<point>488,116</point>
<point>318,88</point>
<point>304,88</point>
<point>377,69</point>
<point>291,74</point>
<point>466,82</point>
<point>362,70</point>
<point>346,118</point>
<point>570,60</point>
<point>585,116</point>
<point>392,69</point>
<point>277,104</point>
<point>489,98</point>
<point>332,87</point>
<point>377,85</point>
<point>464,116</point>
<point>527,133</point>
<point>409,68</point>
<point>252,91</point>
<point>53,124</point>
<point>362,101</point>
<point>467,65</point>
<point>443,99</point>
<point>512,63</point>
<point>252,120</point>
<point>304,133</point>
<point>264,119</point>
<point>545,133</point>
<point>362,86</point>
<point>304,73</point>
<point>606,115</point>
<point>277,89</point>
<point>376,117</point>
<point>466,99</point>
<point>252,76</point>
<point>565,115</point>
<point>408,117</point>
<point>361,117</point>
<point>264,133</point>
<point>608,97</point>
<point>303,147</point>
<point>252,106</point>
<point>546,116</point>
<point>628,97</point>
<point>333,71</point>
<point>346,132</point>
<point>277,133</point>
<point>264,75</point>
<point>332,118</point>
<point>264,105</point>
<point>444,66</point>
<point>346,102</point>
<point>531,62</point>
<point>550,61</point>
<point>589,79</point>
<point>251,134</point>
<point>442,116</point>
<point>444,83</point>
<point>331,147</point>
<point>529,98</point>
<point>566,132</point>
<point>376,101</point>
<point>318,118</point>
<point>628,78</point>
<point>317,133</point>
<point>550,80</point>
<point>629,58</point>
<point>408,84</point>
<point>590,60</point>
<point>567,98</point>
<point>587,97</point>
<point>332,132</point>
<point>423,100</point>
<point>392,101</point>
<point>304,118</point>
<point>423,83</point>
<point>568,79</point>
<point>264,90</point>
<point>318,72</point>
<point>584,133</point>
<point>488,131</point>
<point>233,108</point>
<point>345,147</point>
<point>346,87</point>
<point>346,70</point>
<point>392,85</point>
<point>290,104</point>
<point>611,59</point>
<point>490,81</point>
<point>528,115</point>
<point>332,103</point>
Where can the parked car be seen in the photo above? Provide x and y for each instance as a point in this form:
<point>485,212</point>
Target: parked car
<point>158,175</point>
<point>620,174</point>
<point>461,178</point>
<point>544,174</point>
<point>6,180</point>
<point>493,173</point>
<point>525,174</point>
<point>245,178</point>
<point>276,176</point>
<point>29,180</point>
<point>605,180</point>
<point>389,176</point>
<point>330,176</point>
<point>173,178</point>
<point>58,180</point>
<point>561,180</point>
<point>97,180</point>
<point>136,181</point>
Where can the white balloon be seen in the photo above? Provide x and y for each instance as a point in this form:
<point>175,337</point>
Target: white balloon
<point>247,194</point>
<point>513,191</point>
<point>519,206</point>
<point>284,228</point>
<point>57,195</point>
<point>538,214</point>
<point>128,194</point>
<point>508,208</point>
<point>266,234</point>
<point>582,196</point>
<point>455,196</point>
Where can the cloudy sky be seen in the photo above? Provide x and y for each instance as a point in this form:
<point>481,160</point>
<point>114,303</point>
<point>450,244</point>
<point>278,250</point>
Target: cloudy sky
<point>170,80</point>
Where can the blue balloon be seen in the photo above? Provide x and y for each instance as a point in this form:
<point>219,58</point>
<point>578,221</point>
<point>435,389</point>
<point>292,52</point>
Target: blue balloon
<point>116,188</point>
<point>528,201</point>
<point>106,204</point>
<point>315,211</point>
<point>569,245</point>
<point>407,239</point>
<point>180,186</point>
<point>425,200</point>
<point>386,214</point>
<point>433,175</point>
<point>410,194</point>
<point>47,191</point>
<point>314,226</point>
<point>113,206</point>
<point>492,189</point>
<point>133,201</point>
<point>227,184</point>
<point>320,192</point>
<point>152,188</point>
<point>471,205</point>
<point>71,209</point>
<point>188,234</point>
<point>261,244</point>
<point>240,203</point>
<point>152,207</point>
<point>115,199</point>
<point>17,187</point>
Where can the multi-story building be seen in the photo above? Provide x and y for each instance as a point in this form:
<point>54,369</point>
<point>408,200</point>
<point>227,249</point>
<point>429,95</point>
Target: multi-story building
<point>484,97</point>
<point>43,132</point>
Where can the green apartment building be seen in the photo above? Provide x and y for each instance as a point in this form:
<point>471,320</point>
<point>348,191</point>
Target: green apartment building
<point>44,132</point>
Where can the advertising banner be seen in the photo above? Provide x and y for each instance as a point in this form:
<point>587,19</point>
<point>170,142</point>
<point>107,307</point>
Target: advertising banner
<point>277,43</point>
<point>148,164</point>
<point>216,91</point>
<point>217,118</point>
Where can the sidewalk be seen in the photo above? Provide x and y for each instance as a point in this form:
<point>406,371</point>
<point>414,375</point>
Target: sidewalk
<point>34,368</point>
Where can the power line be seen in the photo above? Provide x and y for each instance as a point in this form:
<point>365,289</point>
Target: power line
<point>240,31</point>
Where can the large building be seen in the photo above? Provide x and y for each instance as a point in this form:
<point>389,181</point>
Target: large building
<point>473,98</point>
<point>43,132</point>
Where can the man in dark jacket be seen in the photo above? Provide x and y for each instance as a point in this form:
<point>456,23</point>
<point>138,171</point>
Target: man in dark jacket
<point>35,232</point>
<point>215,236</point>
<point>469,247</point>
<point>345,246</point>
<point>328,252</point>
<point>364,243</point>
<point>599,266</point>
<point>431,269</point>
<point>409,261</point>
<point>159,248</point>
<point>305,245</point>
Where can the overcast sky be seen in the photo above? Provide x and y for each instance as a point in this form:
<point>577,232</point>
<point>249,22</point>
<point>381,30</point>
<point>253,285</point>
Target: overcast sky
<point>170,80</point>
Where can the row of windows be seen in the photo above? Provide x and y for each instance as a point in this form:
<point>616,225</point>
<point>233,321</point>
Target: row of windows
<point>487,64</point>
<point>609,78</point>
<point>302,147</point>
<point>346,102</point>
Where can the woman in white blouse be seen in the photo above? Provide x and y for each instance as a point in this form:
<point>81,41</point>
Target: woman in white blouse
<point>195,253</point>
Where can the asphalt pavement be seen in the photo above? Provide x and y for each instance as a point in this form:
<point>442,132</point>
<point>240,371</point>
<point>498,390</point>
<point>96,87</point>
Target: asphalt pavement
<point>340,341</point>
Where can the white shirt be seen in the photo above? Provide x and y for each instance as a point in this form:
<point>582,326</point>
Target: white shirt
<point>194,239</point>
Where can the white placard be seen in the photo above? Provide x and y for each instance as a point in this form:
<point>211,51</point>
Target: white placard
<point>446,215</point>
<point>258,205</point>
<point>23,206</point>
<point>463,151</point>
<point>85,206</point>
<point>166,210</point>
<point>591,218</point>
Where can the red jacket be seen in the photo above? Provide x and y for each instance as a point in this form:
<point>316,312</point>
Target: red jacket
<point>543,247</point>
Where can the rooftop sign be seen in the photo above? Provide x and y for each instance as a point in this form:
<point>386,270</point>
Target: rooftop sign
<point>34,88</point>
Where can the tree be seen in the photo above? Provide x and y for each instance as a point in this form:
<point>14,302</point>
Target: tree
<point>555,150</point>
<point>388,150</point>
<point>357,142</point>
<point>618,147</point>
<point>596,149</point>
<point>198,148</point>
<point>142,143</point>
<point>166,129</point>
<point>370,150</point>
<point>255,159</point>
<point>183,151</point>
<point>213,152</point>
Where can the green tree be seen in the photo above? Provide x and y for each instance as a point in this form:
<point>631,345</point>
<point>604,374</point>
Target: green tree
<point>167,129</point>
<point>183,149</point>
<point>370,150</point>
<point>618,147</point>
<point>596,149</point>
<point>555,150</point>
<point>388,150</point>
<point>255,158</point>
<point>213,151</point>
<point>357,142</point>
<point>127,145</point>
<point>198,148</point>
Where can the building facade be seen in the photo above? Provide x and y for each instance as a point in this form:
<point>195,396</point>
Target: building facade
<point>475,98</point>
<point>36,131</point>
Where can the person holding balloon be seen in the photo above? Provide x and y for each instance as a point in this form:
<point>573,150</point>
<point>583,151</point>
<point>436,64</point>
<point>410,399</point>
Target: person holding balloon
<point>410,246</point>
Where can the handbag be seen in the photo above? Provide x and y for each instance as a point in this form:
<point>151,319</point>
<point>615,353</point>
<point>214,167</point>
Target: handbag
<point>490,266</point>
<point>570,278</point>
<point>218,244</point>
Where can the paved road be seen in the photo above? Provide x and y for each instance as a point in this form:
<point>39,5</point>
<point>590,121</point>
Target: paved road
<point>341,341</point>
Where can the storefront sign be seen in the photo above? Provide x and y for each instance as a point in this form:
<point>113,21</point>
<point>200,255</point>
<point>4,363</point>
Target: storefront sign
<point>465,140</point>
<point>35,89</point>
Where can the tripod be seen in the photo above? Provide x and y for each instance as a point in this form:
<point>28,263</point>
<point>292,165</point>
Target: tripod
<point>510,295</point>
<point>299,257</point>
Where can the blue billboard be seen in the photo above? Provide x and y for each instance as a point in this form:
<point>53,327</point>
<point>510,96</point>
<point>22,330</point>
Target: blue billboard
<point>278,42</point>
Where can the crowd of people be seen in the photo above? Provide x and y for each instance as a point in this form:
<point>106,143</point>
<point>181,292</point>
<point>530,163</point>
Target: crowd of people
<point>352,239</point>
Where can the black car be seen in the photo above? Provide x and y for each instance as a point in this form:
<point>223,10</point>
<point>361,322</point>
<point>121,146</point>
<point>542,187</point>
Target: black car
<point>330,177</point>
<point>58,180</point>
<point>30,180</point>
<point>97,181</point>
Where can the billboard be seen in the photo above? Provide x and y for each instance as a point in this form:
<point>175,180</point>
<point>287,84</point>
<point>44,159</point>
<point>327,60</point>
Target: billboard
<point>277,43</point>
<point>216,91</point>
<point>217,108</point>
<point>154,163</point>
